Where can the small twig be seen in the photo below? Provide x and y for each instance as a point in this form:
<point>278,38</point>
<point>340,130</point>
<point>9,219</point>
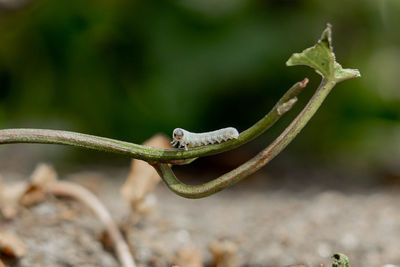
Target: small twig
<point>149,154</point>
<point>80,193</point>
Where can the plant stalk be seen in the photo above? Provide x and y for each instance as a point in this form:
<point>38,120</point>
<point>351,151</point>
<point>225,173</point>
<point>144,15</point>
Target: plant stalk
<point>149,154</point>
<point>254,164</point>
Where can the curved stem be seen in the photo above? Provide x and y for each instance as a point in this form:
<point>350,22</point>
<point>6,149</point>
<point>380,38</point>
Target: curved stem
<point>254,164</point>
<point>149,154</point>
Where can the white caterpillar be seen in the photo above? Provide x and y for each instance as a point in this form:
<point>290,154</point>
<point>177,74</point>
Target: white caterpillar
<point>185,138</point>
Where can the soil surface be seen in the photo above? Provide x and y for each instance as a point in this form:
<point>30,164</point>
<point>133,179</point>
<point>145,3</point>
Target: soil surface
<point>270,220</point>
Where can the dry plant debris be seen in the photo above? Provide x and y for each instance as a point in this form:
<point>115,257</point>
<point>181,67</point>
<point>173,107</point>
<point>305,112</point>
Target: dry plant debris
<point>10,196</point>
<point>83,195</point>
<point>11,245</point>
<point>42,176</point>
<point>224,253</point>
<point>91,180</point>
<point>44,181</point>
<point>189,257</point>
<point>143,178</point>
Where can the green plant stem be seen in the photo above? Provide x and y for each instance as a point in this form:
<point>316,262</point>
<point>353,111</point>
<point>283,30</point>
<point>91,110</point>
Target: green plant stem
<point>320,57</point>
<point>254,164</point>
<point>149,154</point>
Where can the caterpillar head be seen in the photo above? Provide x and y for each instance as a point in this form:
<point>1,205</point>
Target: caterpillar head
<point>177,134</point>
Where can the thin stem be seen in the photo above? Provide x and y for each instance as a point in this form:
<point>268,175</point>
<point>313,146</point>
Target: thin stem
<point>149,154</point>
<point>254,164</point>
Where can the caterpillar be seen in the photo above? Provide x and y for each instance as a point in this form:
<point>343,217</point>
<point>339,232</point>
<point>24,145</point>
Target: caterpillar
<point>185,138</point>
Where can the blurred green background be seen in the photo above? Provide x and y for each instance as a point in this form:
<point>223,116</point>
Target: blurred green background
<point>127,69</point>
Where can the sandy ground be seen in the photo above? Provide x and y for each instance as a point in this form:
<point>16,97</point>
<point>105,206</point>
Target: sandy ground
<point>268,222</point>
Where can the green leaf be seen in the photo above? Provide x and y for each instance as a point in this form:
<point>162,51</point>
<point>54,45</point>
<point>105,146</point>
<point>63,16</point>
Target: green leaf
<point>321,58</point>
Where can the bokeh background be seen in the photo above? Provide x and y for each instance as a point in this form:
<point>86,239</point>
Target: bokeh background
<point>130,69</point>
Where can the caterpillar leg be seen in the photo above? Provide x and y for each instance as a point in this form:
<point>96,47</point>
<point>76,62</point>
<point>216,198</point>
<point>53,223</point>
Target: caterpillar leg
<point>174,142</point>
<point>184,145</point>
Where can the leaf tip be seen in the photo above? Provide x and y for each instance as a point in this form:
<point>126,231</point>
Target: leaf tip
<point>289,62</point>
<point>326,36</point>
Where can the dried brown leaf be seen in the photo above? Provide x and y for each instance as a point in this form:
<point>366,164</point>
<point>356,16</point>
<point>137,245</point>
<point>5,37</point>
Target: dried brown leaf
<point>188,257</point>
<point>9,198</point>
<point>11,245</point>
<point>15,194</point>
<point>42,176</point>
<point>224,253</point>
<point>142,177</point>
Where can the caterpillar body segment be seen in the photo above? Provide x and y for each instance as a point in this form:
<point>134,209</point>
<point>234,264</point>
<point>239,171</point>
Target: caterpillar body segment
<point>184,138</point>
